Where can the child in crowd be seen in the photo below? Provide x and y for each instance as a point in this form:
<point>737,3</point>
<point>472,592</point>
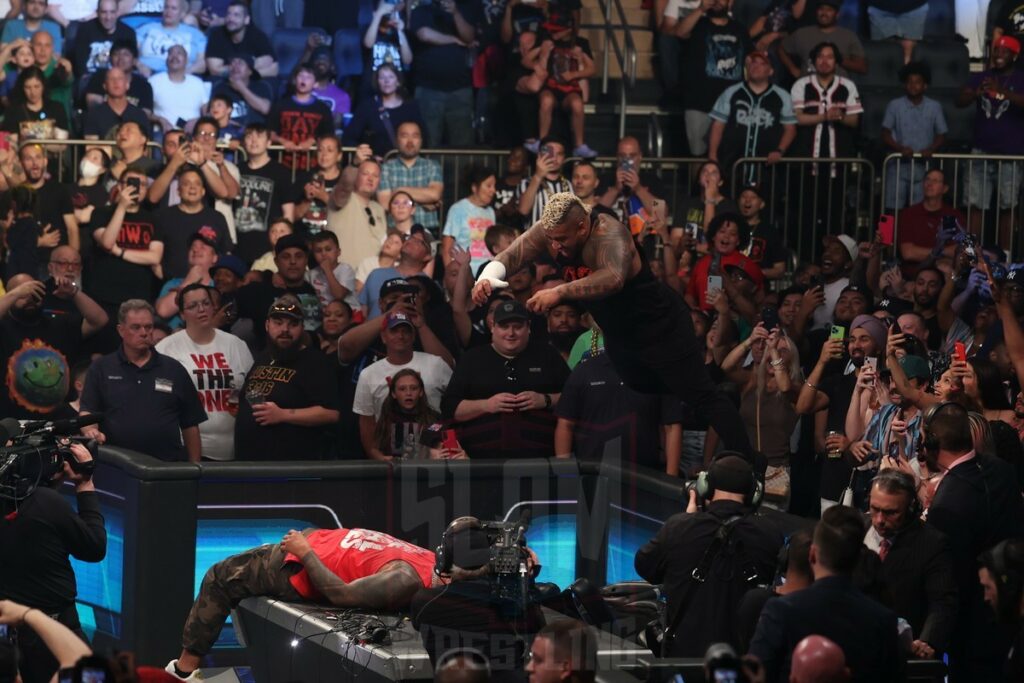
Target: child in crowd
<point>278,229</point>
<point>330,278</point>
<point>298,120</point>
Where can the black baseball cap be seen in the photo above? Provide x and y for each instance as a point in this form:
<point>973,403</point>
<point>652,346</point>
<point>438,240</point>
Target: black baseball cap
<point>290,241</point>
<point>510,310</point>
<point>397,284</point>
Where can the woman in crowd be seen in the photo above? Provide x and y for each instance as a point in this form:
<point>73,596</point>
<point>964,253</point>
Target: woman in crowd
<point>407,427</point>
<point>336,318</point>
<point>387,258</point>
<point>700,209</point>
<point>376,119</point>
<point>469,218</point>
<point>31,114</point>
<point>983,384</point>
<point>400,210</point>
<point>768,388</point>
<point>89,192</point>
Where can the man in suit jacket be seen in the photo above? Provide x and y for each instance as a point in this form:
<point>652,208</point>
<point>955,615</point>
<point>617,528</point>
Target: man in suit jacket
<point>917,566</point>
<point>833,608</point>
<point>977,504</point>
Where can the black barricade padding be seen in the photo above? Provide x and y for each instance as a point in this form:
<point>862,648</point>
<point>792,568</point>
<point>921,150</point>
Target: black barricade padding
<point>162,504</point>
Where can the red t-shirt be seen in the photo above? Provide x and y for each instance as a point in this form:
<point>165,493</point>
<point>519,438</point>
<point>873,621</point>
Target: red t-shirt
<point>697,287</point>
<point>918,226</point>
<point>353,554</point>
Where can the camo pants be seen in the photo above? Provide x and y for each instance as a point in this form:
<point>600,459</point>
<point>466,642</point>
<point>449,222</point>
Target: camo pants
<point>260,571</point>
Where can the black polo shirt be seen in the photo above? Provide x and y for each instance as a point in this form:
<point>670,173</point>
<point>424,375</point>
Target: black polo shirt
<point>144,408</point>
<point>612,420</point>
<point>483,372</point>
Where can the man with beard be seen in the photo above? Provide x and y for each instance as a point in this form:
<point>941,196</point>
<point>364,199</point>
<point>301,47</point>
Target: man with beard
<point>290,396</point>
<point>53,206</point>
<point>41,348</point>
<point>413,174</point>
<point>237,38</point>
<point>827,393</point>
<point>147,399</point>
<point>927,286</point>
<point>217,361</point>
<point>836,263</point>
<point>889,438</point>
<point>853,301</point>
<point>291,258</point>
<point>564,326</point>
<point>795,50</point>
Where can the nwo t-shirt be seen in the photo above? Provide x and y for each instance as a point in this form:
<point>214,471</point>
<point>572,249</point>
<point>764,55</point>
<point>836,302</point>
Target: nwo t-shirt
<point>113,279</point>
<point>262,191</point>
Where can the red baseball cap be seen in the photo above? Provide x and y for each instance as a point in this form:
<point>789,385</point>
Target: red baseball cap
<point>1009,42</point>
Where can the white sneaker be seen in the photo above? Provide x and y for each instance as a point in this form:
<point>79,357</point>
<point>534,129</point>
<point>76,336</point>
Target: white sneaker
<point>196,675</point>
<point>584,152</point>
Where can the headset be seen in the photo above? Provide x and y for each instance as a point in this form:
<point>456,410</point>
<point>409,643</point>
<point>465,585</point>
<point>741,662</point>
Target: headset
<point>930,442</point>
<point>705,486</point>
<point>902,482</point>
<point>443,554</point>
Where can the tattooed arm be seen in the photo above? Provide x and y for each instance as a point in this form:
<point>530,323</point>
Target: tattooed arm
<point>612,258</point>
<point>526,248</point>
<point>392,587</point>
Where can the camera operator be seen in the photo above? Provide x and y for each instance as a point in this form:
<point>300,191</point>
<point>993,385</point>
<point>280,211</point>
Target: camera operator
<point>470,610</point>
<point>1001,572</point>
<point>37,534</point>
<point>707,560</point>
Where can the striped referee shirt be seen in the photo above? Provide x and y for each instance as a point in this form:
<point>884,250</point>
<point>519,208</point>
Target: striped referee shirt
<point>546,189</point>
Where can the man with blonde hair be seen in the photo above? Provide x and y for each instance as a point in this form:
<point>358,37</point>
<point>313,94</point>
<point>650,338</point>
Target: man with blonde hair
<point>647,327</point>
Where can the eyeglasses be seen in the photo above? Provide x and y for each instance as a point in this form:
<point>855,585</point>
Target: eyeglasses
<point>199,305</point>
<point>369,217</point>
<point>403,202</point>
<point>206,134</point>
<point>510,371</point>
<point>67,264</point>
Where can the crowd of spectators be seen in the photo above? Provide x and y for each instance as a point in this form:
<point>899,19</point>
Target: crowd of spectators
<point>216,300</point>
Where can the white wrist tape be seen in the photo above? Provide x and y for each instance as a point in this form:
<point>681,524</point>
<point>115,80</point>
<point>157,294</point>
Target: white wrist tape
<point>494,272</point>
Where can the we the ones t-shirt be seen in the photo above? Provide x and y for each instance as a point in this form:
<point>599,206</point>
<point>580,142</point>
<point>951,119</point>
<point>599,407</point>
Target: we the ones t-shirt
<point>217,369</point>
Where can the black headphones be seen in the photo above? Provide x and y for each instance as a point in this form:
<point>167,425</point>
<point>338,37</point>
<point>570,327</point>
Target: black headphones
<point>705,487</point>
<point>930,442</point>
<point>443,553</point>
<point>903,482</point>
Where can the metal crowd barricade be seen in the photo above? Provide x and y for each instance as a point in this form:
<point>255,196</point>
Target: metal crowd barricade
<point>991,207</point>
<point>808,198</point>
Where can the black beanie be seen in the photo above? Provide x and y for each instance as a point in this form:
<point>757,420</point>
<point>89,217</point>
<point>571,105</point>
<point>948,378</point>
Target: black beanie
<point>731,473</point>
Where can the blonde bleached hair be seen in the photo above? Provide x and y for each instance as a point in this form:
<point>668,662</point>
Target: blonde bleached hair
<point>558,207</point>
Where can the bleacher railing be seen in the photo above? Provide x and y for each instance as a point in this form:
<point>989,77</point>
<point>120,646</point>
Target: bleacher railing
<point>809,198</point>
<point>794,188</point>
<point>626,58</point>
<point>992,208</point>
